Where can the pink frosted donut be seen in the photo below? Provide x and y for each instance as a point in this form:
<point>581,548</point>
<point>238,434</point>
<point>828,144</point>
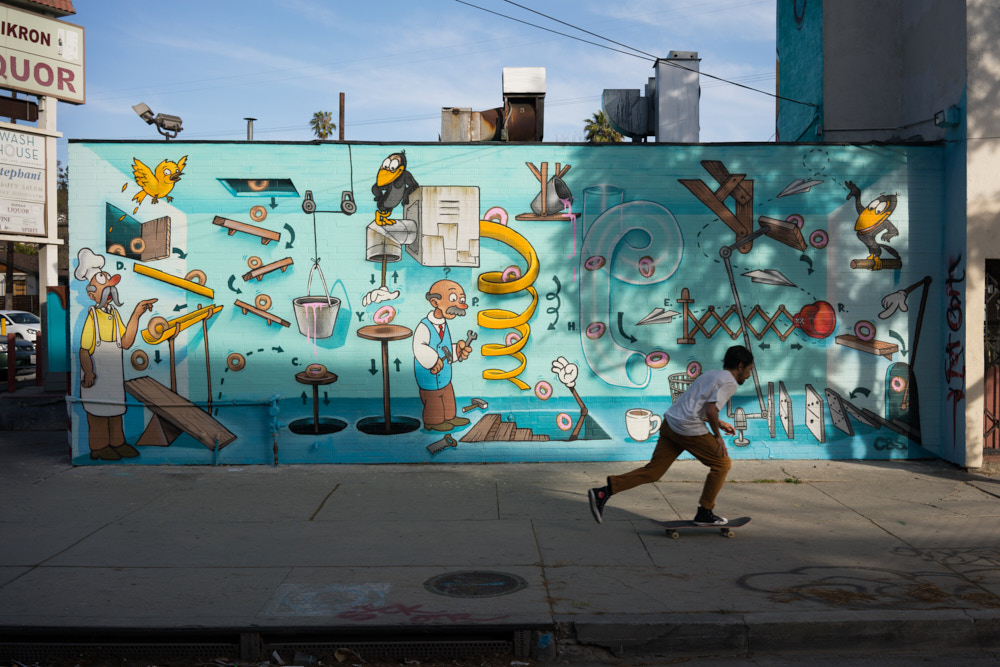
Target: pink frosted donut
<point>819,239</point>
<point>657,359</point>
<point>511,338</point>
<point>864,330</point>
<point>564,421</point>
<point>510,274</point>
<point>897,384</point>
<point>694,369</point>
<point>384,315</point>
<point>595,330</point>
<point>594,263</point>
<point>796,220</point>
<point>647,266</point>
<point>496,214</point>
<point>543,390</point>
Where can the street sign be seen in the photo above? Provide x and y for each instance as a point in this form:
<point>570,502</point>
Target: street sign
<point>22,183</point>
<point>41,56</point>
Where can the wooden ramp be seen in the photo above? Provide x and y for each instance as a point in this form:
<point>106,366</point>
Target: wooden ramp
<point>492,427</point>
<point>173,415</point>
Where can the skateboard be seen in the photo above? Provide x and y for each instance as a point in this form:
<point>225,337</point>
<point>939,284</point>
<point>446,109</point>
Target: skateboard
<point>725,530</point>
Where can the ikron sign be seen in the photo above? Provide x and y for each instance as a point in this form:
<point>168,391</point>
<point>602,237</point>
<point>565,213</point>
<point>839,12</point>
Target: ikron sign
<point>41,56</point>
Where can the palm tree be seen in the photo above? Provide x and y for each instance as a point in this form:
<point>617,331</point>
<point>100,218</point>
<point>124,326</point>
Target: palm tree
<point>322,124</point>
<point>599,130</point>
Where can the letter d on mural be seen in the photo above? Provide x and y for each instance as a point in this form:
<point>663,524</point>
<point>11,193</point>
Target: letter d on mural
<point>41,56</point>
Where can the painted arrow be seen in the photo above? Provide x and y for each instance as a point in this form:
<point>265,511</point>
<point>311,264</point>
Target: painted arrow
<point>180,253</point>
<point>273,204</point>
<point>232,279</point>
<point>621,327</point>
<point>326,398</point>
<point>807,260</point>
<point>861,390</point>
<point>374,369</point>
<point>397,362</point>
<point>902,343</point>
<point>179,307</point>
<point>291,233</point>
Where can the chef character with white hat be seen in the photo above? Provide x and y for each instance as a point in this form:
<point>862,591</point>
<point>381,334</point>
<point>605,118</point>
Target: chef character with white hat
<point>104,338</point>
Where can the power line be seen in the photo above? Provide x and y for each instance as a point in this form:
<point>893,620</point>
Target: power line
<point>575,27</point>
<point>634,55</point>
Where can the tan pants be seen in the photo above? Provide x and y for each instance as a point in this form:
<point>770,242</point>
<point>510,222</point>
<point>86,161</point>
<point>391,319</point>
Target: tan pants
<point>669,446</point>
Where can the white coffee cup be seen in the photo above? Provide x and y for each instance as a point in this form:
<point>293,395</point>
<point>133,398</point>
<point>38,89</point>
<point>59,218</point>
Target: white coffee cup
<point>641,423</point>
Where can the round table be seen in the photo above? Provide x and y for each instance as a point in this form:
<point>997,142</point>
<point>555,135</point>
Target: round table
<point>316,381</point>
<point>384,333</point>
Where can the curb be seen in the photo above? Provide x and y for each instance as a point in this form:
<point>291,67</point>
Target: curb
<point>692,635</point>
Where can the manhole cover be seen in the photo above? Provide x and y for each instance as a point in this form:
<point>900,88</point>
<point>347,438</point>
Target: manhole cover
<point>475,584</point>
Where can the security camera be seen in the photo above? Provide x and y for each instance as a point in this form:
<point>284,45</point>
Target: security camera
<point>169,123</point>
<point>144,112</point>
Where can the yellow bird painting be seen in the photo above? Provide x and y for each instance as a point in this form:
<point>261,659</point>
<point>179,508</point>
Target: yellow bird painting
<point>157,183</point>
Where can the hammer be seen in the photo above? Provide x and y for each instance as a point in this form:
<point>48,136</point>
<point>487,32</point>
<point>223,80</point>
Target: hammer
<point>476,403</point>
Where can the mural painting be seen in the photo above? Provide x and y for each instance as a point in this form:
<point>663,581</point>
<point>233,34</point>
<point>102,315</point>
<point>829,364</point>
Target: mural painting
<point>503,302</point>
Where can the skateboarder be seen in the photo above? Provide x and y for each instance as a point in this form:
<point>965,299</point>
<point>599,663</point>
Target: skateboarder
<point>684,429</point>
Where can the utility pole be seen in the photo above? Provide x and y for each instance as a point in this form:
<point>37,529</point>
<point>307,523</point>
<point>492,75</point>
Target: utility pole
<point>341,126</point>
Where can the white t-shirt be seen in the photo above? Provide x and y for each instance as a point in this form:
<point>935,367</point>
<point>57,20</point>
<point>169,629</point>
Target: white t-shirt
<point>687,415</point>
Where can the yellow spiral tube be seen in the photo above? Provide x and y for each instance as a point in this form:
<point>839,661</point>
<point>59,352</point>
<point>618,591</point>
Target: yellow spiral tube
<point>492,282</point>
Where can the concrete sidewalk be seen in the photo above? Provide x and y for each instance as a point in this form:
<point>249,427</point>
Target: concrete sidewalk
<point>877,555</point>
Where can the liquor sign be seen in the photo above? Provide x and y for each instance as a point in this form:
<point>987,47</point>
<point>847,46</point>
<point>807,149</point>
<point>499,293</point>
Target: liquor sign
<point>22,183</point>
<point>41,56</point>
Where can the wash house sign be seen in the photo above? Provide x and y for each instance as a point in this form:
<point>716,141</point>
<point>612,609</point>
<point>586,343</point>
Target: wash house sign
<point>22,183</point>
<point>41,56</point>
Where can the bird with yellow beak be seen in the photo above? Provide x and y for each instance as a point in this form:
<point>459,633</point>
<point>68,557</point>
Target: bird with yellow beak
<point>393,185</point>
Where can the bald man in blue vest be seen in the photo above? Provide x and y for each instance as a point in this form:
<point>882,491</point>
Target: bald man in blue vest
<point>431,364</point>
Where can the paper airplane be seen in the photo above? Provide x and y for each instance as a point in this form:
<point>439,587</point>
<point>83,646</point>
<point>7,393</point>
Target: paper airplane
<point>767,277</point>
<point>797,187</point>
<point>659,316</point>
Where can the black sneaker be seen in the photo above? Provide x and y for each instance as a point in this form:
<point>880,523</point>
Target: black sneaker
<point>706,517</point>
<point>598,498</point>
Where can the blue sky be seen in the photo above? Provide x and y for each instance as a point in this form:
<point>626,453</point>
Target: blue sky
<point>214,62</point>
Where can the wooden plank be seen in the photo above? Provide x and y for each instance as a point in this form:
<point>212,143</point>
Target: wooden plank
<point>479,430</point>
<point>877,347</point>
<point>728,186</point>
<point>492,433</point>
<point>707,197</point>
<point>538,437</point>
<point>522,434</point>
<point>261,271</point>
<point>266,235</point>
<point>179,412</point>
<point>247,308</point>
<point>743,193</point>
<point>506,431</point>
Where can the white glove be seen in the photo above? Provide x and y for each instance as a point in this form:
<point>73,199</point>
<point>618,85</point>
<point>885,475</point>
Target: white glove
<point>378,296</point>
<point>565,371</point>
<point>892,303</point>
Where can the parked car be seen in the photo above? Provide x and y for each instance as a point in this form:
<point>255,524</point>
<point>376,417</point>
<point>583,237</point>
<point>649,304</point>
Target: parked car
<point>25,356</point>
<point>23,324</point>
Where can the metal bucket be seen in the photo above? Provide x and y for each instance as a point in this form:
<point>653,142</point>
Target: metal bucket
<point>316,315</point>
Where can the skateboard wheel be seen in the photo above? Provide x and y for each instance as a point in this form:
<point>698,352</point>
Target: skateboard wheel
<point>674,534</point>
<point>728,533</point>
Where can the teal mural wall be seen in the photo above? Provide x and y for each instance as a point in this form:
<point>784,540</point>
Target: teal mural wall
<point>278,302</point>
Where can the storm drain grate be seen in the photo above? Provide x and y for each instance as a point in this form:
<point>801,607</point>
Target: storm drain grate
<point>32,652</point>
<point>475,584</point>
<point>402,650</point>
